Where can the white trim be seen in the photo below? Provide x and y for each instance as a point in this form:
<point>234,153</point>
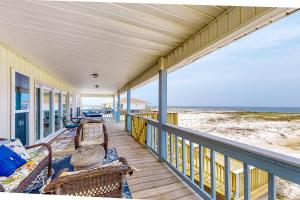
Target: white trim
<point>12,103</point>
<point>50,137</point>
<point>22,111</point>
<point>259,3</point>
<point>48,87</point>
<point>41,113</point>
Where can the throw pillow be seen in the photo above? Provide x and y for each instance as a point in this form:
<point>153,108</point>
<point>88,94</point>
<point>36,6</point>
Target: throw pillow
<point>9,161</point>
<point>18,147</point>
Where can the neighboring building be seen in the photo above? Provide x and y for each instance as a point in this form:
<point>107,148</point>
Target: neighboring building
<point>135,104</point>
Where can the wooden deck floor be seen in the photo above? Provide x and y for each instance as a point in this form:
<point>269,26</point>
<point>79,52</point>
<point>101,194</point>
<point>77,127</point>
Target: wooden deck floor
<point>153,179</point>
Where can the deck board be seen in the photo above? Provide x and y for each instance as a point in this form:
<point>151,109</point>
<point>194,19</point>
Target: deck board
<point>153,179</point>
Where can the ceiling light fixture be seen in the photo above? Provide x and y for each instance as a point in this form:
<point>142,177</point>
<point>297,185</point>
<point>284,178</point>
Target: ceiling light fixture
<point>95,75</point>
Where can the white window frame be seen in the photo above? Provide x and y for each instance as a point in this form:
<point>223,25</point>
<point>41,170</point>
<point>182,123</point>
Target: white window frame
<point>52,90</point>
<point>13,105</point>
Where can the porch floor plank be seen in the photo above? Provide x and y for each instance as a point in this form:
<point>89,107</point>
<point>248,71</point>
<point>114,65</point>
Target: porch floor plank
<point>153,179</point>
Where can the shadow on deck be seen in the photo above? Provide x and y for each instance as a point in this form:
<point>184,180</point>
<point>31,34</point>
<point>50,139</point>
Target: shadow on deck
<point>153,179</point>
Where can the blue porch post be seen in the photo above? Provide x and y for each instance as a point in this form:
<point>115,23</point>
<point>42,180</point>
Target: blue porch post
<point>162,113</point>
<point>114,107</point>
<point>128,111</point>
<point>118,109</point>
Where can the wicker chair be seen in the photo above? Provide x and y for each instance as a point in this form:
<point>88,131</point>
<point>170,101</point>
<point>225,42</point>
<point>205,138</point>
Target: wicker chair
<point>98,182</point>
<point>91,132</point>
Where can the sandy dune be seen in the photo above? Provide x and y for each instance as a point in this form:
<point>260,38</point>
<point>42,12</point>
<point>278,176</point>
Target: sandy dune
<point>279,132</point>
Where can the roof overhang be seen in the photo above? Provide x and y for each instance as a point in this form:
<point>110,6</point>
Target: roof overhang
<point>127,44</point>
<point>233,24</point>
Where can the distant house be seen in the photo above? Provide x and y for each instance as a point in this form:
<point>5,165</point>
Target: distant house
<point>135,104</point>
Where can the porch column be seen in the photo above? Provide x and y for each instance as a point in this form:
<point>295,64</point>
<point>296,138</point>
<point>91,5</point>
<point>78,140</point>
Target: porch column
<point>118,109</point>
<point>114,107</point>
<point>162,113</point>
<point>128,111</point>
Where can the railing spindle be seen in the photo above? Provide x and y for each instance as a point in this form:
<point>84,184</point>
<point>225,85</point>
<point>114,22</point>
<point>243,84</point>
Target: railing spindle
<point>192,161</point>
<point>171,149</point>
<point>154,141</point>
<point>152,136</point>
<point>212,174</point>
<point>227,178</point>
<point>201,169</point>
<point>183,157</point>
<point>271,187</point>
<point>246,182</point>
<point>177,153</point>
<point>148,134</point>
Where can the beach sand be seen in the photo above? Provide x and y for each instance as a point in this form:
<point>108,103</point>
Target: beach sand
<point>277,131</point>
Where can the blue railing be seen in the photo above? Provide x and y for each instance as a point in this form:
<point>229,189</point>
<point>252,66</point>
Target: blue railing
<point>259,165</point>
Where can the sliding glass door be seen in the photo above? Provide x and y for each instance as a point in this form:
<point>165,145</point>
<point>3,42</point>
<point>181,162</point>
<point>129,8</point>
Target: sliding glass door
<point>46,112</point>
<point>64,106</point>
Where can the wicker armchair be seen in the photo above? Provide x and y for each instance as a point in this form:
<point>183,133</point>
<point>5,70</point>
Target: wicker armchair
<point>98,182</point>
<point>91,132</point>
<point>46,162</point>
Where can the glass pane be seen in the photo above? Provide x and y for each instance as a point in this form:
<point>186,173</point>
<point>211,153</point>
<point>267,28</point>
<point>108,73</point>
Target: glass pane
<point>22,91</point>
<point>46,112</point>
<point>37,113</point>
<point>22,127</point>
<point>64,105</point>
<point>56,110</point>
<point>71,105</point>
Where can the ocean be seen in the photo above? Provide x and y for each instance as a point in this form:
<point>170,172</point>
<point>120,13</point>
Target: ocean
<point>237,108</point>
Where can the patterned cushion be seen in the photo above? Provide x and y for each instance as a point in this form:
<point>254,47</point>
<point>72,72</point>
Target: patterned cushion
<point>18,147</point>
<point>12,182</point>
<point>93,131</point>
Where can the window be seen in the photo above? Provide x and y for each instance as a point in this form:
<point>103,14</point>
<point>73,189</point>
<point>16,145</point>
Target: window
<point>71,105</point>
<point>22,92</point>
<point>57,111</point>
<point>22,103</point>
<point>46,112</point>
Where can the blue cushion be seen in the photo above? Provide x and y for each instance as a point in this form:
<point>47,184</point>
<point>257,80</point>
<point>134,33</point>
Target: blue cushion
<point>9,161</point>
<point>72,126</point>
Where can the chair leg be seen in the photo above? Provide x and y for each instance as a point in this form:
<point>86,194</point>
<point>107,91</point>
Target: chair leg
<point>49,168</point>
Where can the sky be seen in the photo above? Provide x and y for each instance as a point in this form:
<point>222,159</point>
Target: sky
<point>95,101</point>
<point>261,69</point>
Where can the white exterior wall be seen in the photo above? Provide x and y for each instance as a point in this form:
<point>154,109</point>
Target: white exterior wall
<point>134,106</point>
<point>11,61</point>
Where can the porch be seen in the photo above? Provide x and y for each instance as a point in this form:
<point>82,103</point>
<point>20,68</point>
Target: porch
<point>127,45</point>
<point>153,179</point>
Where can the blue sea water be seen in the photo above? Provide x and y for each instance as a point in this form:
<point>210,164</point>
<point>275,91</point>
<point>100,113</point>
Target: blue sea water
<point>236,108</point>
